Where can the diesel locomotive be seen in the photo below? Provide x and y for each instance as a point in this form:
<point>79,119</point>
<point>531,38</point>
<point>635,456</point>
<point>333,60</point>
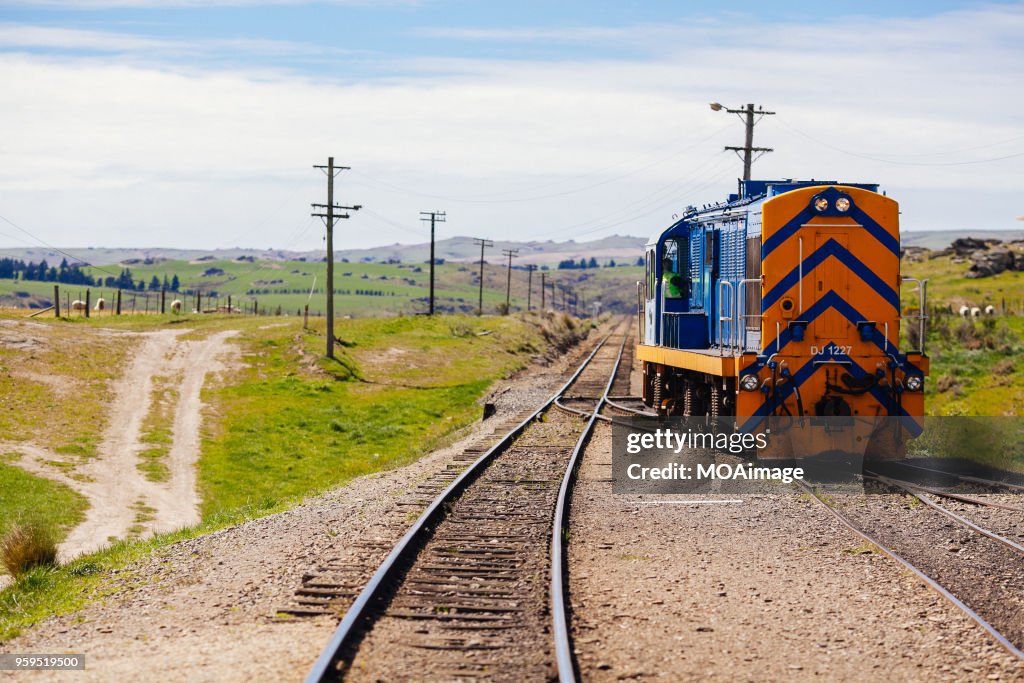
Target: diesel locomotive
<point>783,301</point>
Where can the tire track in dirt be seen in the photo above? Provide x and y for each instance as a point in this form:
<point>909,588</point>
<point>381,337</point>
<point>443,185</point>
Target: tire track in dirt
<point>112,482</point>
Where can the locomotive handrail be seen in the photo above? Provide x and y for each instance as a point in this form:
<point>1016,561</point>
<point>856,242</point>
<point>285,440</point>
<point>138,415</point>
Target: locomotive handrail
<point>741,332</point>
<point>800,273</point>
<point>640,311</point>
<point>722,317</point>
<point>922,311</point>
<point>661,318</point>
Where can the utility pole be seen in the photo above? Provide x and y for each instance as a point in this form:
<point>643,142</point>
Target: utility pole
<point>746,115</point>
<point>543,290</point>
<point>330,207</point>
<point>483,244</point>
<point>529,285</point>
<point>435,217</point>
<point>511,253</point>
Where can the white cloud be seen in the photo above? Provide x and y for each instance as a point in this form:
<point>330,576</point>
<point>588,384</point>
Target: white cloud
<point>116,151</point>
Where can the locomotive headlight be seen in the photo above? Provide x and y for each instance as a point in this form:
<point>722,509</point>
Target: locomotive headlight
<point>843,204</point>
<point>748,383</point>
<point>820,204</point>
<point>913,382</point>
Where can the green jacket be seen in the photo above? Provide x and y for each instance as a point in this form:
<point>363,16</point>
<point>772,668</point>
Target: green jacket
<point>673,284</point>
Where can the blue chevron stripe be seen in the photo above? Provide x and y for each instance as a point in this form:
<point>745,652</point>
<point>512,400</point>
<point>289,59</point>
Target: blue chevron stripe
<point>882,235</point>
<point>830,300</point>
<point>785,232</point>
<point>832,248</point>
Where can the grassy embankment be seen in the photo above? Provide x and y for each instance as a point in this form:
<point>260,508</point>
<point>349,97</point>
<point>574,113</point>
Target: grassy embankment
<point>288,423</point>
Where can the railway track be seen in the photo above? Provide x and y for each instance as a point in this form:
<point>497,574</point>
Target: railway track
<point>985,584</point>
<point>474,589</point>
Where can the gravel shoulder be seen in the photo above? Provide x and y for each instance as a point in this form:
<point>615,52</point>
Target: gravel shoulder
<point>770,588</point>
<point>204,609</point>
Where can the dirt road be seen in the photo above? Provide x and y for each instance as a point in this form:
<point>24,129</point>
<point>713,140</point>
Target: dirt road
<point>123,501</point>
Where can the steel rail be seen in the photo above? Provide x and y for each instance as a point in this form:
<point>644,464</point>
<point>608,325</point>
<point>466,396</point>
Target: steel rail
<point>945,494</point>
<point>559,604</point>
<point>409,544</point>
<point>627,409</point>
<point>966,477</point>
<point>929,581</point>
<point>949,513</point>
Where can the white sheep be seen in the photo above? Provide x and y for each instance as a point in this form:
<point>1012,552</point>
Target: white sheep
<point>176,306</point>
<point>965,311</point>
<point>990,310</point>
<point>975,312</point>
<point>77,305</point>
<point>101,304</point>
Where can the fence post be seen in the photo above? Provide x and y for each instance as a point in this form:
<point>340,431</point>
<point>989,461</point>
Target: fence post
<point>305,317</point>
<point>119,302</point>
<point>163,301</point>
<point>56,301</point>
<point>88,294</point>
<point>229,303</point>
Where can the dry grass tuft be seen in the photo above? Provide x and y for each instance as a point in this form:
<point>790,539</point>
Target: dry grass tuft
<point>1004,367</point>
<point>27,546</point>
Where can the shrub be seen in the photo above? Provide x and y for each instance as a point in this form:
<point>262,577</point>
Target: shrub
<point>26,546</point>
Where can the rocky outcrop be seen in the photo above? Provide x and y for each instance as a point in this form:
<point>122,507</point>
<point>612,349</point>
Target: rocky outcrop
<point>991,262</point>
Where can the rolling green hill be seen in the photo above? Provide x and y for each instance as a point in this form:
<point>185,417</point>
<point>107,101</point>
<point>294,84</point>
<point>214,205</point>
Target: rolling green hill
<point>361,289</point>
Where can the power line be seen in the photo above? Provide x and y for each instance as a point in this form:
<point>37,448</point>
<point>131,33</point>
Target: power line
<point>606,181</point>
<point>896,162</point>
<point>59,251</point>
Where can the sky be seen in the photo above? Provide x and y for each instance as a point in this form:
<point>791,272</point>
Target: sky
<point>197,123</point>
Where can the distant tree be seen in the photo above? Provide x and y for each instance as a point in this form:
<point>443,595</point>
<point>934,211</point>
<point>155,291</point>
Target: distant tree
<point>640,260</point>
<point>175,283</point>
<point>592,263</point>
<point>167,283</point>
<point>583,263</point>
<point>611,263</point>
<point>154,284</point>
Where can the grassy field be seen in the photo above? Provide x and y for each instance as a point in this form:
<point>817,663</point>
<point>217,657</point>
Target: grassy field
<point>285,424</point>
<point>292,422</point>
<point>31,499</point>
<point>361,289</point>
<point>948,286</point>
<point>974,363</point>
